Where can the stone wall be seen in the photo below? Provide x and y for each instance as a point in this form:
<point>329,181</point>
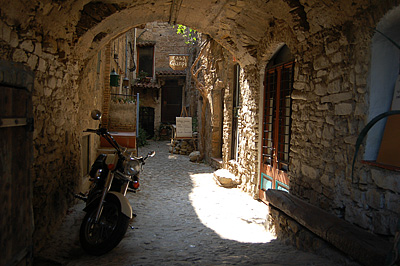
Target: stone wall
<point>329,111</point>
<point>292,233</point>
<point>330,108</point>
<point>61,110</point>
<point>122,116</point>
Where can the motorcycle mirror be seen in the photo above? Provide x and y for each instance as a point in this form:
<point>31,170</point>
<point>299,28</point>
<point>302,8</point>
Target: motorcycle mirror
<point>96,115</point>
<point>152,153</point>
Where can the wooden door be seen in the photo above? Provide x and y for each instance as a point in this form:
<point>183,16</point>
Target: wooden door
<point>276,128</point>
<point>16,214</point>
<point>171,98</point>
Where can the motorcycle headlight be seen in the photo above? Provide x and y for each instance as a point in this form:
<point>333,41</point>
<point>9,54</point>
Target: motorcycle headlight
<point>132,167</point>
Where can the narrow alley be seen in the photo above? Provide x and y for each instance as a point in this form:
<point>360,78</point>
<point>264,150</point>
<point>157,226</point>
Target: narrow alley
<point>183,218</point>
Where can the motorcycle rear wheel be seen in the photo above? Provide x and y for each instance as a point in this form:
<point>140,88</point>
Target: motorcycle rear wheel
<point>99,238</point>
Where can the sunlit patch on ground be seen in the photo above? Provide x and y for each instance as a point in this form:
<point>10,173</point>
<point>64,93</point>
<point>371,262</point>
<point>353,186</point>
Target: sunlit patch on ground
<point>231,213</point>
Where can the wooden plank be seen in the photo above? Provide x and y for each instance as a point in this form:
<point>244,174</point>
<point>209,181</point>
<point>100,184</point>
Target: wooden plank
<point>367,248</point>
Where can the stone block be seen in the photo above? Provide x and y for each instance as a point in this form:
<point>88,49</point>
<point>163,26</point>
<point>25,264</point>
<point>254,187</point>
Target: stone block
<point>392,202</point>
<point>338,97</point>
<point>335,86</point>
<point>32,62</point>
<point>309,171</point>
<point>5,32</point>
<point>386,181</point>
<point>226,179</point>
<point>321,89</point>
<point>337,58</point>
<point>328,132</point>
<point>375,199</point>
<point>20,56</point>
<point>332,47</point>
<point>344,109</point>
<point>194,156</point>
<point>27,46</point>
<point>42,65</point>
<point>321,62</point>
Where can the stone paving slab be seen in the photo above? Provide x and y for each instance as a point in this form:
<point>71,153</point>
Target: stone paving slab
<point>184,218</point>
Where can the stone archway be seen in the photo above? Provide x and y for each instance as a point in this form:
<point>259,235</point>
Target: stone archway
<point>383,75</point>
<point>61,40</point>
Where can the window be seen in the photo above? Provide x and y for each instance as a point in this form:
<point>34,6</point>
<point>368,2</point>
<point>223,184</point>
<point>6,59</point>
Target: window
<point>146,60</point>
<point>236,107</point>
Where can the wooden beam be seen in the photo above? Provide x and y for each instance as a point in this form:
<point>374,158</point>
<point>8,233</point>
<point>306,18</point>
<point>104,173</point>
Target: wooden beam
<point>361,245</point>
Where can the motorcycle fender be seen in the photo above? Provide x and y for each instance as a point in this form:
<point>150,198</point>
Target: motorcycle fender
<point>126,208</point>
<point>112,159</point>
<point>125,205</point>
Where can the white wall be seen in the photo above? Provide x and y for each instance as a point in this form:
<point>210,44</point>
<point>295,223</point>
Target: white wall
<point>383,74</point>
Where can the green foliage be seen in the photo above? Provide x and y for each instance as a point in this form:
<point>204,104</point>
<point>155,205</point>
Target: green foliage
<point>142,138</point>
<point>124,99</point>
<point>189,34</point>
<point>142,75</point>
<point>195,124</point>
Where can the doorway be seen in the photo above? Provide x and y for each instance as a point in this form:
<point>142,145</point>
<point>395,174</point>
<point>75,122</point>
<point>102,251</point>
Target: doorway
<point>276,124</point>
<point>146,121</point>
<point>171,101</point>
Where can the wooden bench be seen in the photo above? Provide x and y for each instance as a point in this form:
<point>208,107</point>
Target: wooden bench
<point>367,248</point>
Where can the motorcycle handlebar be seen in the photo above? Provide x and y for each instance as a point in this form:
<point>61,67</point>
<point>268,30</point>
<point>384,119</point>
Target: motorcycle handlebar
<point>90,130</point>
<point>99,131</point>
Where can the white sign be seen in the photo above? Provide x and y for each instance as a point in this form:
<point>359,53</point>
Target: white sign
<point>184,127</point>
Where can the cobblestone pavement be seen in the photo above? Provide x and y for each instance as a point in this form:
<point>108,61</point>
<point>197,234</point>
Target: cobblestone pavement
<point>184,218</point>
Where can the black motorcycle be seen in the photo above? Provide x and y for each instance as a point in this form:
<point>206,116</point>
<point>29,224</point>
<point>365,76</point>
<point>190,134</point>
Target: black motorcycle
<point>108,211</point>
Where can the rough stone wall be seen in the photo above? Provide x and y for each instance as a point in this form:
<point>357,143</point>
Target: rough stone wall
<point>218,79</point>
<point>57,130</point>
<point>329,110</point>
<point>246,167</point>
<point>216,64</point>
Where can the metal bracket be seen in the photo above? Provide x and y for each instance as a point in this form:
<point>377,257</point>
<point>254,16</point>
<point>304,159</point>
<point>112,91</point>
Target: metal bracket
<point>16,122</point>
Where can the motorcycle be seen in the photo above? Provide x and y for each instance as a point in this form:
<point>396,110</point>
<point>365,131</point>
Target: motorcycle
<point>108,211</point>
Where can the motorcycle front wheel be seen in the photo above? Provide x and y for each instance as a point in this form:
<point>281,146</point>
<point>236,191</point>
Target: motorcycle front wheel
<point>101,237</point>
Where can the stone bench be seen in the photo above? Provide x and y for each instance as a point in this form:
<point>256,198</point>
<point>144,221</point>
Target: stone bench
<point>365,247</point>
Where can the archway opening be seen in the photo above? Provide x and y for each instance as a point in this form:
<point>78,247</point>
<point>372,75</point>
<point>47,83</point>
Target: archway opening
<point>383,75</point>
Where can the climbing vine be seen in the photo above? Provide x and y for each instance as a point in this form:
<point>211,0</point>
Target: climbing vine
<point>190,35</point>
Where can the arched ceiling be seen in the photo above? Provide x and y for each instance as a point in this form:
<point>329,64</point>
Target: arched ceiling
<point>238,25</point>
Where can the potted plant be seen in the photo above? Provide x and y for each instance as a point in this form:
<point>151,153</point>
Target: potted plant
<point>142,76</point>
